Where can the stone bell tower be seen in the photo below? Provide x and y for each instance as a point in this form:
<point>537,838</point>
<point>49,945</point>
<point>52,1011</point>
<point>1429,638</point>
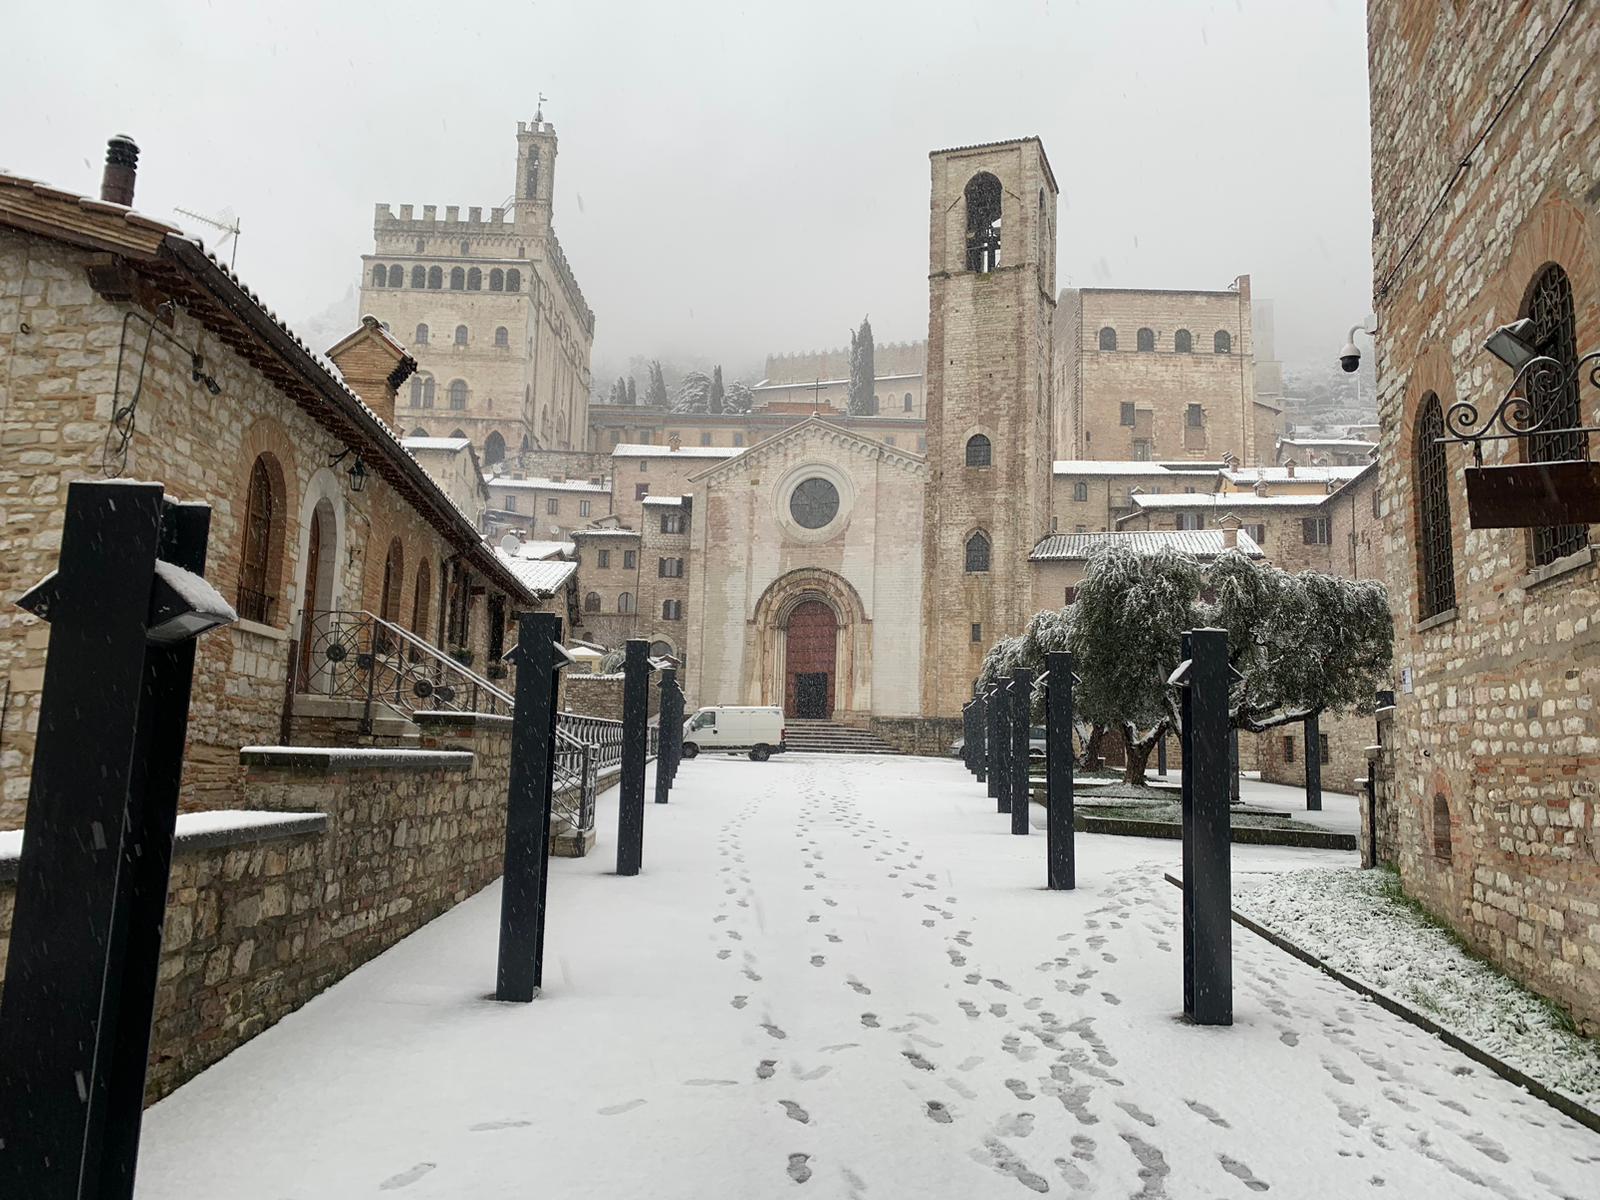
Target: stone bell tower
<point>536,174</point>
<point>991,303</point>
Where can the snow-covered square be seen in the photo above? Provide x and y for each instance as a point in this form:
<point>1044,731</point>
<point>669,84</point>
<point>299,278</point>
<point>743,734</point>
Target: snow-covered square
<point>843,975</point>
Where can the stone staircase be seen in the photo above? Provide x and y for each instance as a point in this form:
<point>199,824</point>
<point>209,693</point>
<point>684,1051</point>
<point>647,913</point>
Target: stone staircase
<point>832,737</point>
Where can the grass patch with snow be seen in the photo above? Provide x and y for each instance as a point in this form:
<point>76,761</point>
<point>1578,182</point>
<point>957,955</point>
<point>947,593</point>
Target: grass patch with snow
<point>1361,923</point>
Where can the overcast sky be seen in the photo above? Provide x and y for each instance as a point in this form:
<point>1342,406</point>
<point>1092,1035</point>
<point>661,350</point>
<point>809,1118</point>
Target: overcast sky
<point>733,179</point>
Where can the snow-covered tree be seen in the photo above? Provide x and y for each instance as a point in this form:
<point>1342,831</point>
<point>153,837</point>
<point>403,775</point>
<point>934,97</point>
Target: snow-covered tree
<point>656,390</point>
<point>1047,632</point>
<point>1304,643</point>
<point>740,399</point>
<point>715,397</point>
<point>1128,616</point>
<point>619,392</point>
<point>863,374</point>
<point>633,392</point>
<point>694,393</point>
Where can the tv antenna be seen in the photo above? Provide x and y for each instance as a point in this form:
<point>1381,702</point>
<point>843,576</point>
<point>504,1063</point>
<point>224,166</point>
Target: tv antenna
<point>224,221</point>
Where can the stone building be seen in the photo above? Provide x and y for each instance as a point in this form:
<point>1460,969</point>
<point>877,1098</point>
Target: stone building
<point>545,509</point>
<point>492,311</point>
<point>125,350</point>
<point>1485,133</point>
<point>1150,374</point>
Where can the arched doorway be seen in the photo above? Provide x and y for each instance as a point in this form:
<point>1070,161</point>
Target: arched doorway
<point>317,594</point>
<point>494,449</point>
<point>811,656</point>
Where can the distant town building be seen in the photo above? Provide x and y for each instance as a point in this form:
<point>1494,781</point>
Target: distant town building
<point>492,312</point>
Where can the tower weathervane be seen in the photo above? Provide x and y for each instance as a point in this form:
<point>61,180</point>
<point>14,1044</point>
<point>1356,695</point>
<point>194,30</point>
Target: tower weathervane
<point>538,113</point>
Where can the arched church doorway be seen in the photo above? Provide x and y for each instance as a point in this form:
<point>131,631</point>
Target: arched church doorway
<point>811,655</point>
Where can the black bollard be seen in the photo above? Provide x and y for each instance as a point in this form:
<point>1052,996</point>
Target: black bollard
<point>968,741</point>
<point>1161,756</point>
<point>124,608</point>
<point>677,731</point>
<point>1313,764</point>
<point>1060,851</point>
<point>1021,754</point>
<point>1204,680</point>
<point>980,731</point>
<point>1233,766</point>
<point>1002,746</point>
<point>635,749</point>
<point>526,876</point>
<point>664,743</point>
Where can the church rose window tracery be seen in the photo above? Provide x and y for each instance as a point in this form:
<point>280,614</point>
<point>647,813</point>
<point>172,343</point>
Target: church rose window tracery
<point>814,503</point>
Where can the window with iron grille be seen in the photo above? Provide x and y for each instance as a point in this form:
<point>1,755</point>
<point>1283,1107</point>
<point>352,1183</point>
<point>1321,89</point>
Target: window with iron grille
<point>254,603</point>
<point>1556,403</point>
<point>979,451</point>
<point>1434,552</point>
<point>1288,749</point>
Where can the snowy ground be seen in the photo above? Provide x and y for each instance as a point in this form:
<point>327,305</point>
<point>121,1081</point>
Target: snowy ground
<point>842,974</point>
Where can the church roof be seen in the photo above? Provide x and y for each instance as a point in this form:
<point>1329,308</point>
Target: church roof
<point>818,425</point>
<point>541,576</point>
<point>1202,543</point>
<point>633,449</point>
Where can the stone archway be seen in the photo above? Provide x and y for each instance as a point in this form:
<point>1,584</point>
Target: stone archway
<point>810,622</point>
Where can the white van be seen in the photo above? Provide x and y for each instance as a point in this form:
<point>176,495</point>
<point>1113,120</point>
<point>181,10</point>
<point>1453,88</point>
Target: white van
<point>730,728</point>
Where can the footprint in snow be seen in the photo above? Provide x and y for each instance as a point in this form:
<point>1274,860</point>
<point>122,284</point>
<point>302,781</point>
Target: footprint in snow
<point>1242,1173</point>
<point>794,1112</point>
<point>485,1126</point>
<point>766,1069</point>
<point>938,1112</point>
<point>740,1001</point>
<point>613,1110</point>
<point>406,1178</point>
<point>798,1170</point>
<point>817,960</point>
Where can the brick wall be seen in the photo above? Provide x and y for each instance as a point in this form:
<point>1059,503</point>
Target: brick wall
<point>1283,752</point>
<point>1497,735</point>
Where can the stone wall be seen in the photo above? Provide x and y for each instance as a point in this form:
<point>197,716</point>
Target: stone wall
<point>1497,730</point>
<point>601,695</point>
<point>930,737</point>
<point>1283,752</point>
<point>1383,820</point>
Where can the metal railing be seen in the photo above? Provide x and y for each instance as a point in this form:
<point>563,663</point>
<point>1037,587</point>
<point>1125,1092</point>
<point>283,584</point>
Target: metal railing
<point>355,655</point>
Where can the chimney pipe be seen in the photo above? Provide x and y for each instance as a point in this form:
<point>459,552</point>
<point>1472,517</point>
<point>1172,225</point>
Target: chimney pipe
<point>122,165</point>
<point>1230,537</point>
<point>1288,468</point>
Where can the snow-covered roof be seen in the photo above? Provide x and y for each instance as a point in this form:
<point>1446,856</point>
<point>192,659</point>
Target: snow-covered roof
<point>1227,500</point>
<point>636,449</point>
<point>1202,543</point>
<point>1281,474</point>
<point>435,443</point>
<point>543,549</point>
<point>1330,443</point>
<point>769,386</point>
<point>589,533</point>
<point>550,485</point>
<point>1094,466</point>
<point>665,501</point>
<point>541,576</point>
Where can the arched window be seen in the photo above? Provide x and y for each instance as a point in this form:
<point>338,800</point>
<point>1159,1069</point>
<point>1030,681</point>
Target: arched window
<point>458,394</point>
<point>419,431</point>
<point>458,279</point>
<point>625,602</point>
<point>1145,339</point>
<point>1108,338</point>
<point>497,280</point>
<point>977,553</point>
<point>416,391</point>
<point>978,451</point>
<point>1222,342</point>
<point>397,276</point>
<point>422,336</point>
<point>466,247</point>
<point>380,275</point>
<point>262,549</point>
<point>421,245</point>
<point>533,176</point>
<point>427,391</point>
<point>1556,403</point>
<point>591,602</point>
<point>456,433</point>
<point>393,582</point>
<point>435,278</point>
<point>475,280</point>
<point>461,335</point>
<point>513,280</point>
<point>494,449</point>
<point>1442,849</point>
<point>1434,552</point>
<point>908,402</point>
<point>1080,490</point>
<point>419,276</point>
<point>501,337</point>
<point>420,603</point>
<point>1183,342</point>
<point>983,222</point>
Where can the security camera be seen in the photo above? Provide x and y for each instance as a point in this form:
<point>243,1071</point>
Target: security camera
<point>1350,358</point>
